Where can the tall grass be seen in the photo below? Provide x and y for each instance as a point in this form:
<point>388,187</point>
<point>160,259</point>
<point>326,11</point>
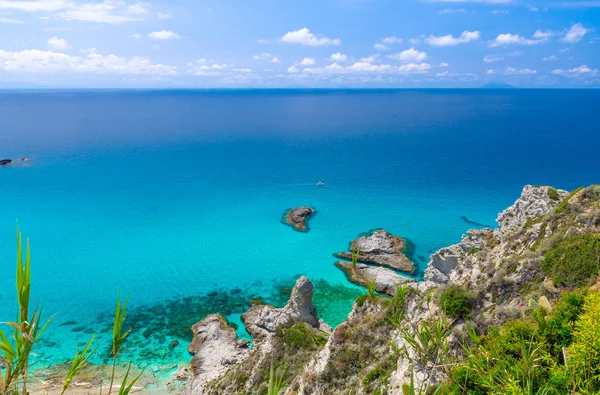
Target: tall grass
<point>118,336</point>
<point>26,329</point>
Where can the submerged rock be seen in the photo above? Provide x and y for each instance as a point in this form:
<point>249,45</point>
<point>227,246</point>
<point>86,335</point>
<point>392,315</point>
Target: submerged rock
<point>385,279</point>
<point>380,248</point>
<point>298,217</point>
<point>262,320</point>
<point>5,162</point>
<point>215,348</point>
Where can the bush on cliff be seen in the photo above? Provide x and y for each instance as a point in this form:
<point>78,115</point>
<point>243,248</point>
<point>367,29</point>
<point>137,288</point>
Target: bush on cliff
<point>527,355</point>
<point>457,303</point>
<point>574,262</point>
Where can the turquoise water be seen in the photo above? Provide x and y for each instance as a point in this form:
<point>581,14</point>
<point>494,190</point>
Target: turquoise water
<point>175,197</point>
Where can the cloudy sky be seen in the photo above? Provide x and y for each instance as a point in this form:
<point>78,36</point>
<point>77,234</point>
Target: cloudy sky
<point>308,43</point>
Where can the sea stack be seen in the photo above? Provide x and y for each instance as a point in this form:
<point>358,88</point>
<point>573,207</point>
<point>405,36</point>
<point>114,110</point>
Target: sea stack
<point>5,162</point>
<point>298,217</point>
<point>380,248</point>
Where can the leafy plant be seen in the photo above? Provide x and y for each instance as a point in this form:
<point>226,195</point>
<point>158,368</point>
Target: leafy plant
<point>79,362</point>
<point>574,262</point>
<point>456,302</point>
<point>275,380</point>
<point>396,306</point>
<point>125,387</point>
<point>372,289</point>
<point>118,336</point>
<point>26,330</point>
<point>355,254</point>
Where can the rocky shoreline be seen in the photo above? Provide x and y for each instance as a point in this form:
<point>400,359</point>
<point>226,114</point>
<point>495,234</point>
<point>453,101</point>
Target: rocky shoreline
<point>499,267</point>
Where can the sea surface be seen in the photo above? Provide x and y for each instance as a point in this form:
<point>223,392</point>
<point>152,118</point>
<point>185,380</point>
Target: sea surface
<point>175,198</point>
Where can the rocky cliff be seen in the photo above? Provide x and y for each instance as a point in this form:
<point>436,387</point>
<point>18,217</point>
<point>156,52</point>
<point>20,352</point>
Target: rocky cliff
<point>379,348</point>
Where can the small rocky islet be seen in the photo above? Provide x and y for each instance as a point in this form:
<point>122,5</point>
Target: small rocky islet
<point>298,217</point>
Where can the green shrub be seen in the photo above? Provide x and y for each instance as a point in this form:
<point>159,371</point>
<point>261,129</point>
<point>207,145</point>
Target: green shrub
<point>564,205</point>
<point>553,194</point>
<point>301,337</point>
<point>457,303</point>
<point>574,262</point>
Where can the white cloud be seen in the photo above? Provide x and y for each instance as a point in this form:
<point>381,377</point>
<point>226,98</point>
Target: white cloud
<point>36,5</point>
<point>34,60</point>
<point>513,39</point>
<point>452,11</point>
<point>471,1</point>
<point>108,11</point>
<point>575,33</point>
<point>205,67</point>
<point>381,47</point>
<point>543,34</point>
<point>532,8</point>
<point>266,56</point>
<point>443,64</point>
<point>409,56</point>
<point>58,43</point>
<point>414,41</point>
<point>162,15</point>
<point>500,12</point>
<point>514,71</point>
<point>549,58</point>
<point>135,35</point>
<point>450,40</point>
<point>493,58</point>
<point>244,70</point>
<point>491,72</point>
<point>307,62</point>
<point>293,69</point>
<point>391,40</point>
<point>338,58</point>
<point>10,20</point>
<point>370,59</point>
<point>368,68</point>
<point>576,72</point>
<point>305,37</point>
<point>163,35</point>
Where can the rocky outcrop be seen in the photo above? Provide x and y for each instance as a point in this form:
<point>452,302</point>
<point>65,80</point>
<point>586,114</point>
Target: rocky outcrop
<point>533,203</point>
<point>215,348</point>
<point>386,280</point>
<point>262,320</point>
<point>445,260</point>
<point>5,162</point>
<point>298,218</point>
<point>380,248</point>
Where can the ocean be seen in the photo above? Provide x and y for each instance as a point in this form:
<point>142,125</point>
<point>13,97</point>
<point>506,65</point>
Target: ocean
<point>175,198</point>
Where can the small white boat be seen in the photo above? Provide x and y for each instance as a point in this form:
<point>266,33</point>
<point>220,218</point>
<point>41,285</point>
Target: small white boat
<point>320,184</point>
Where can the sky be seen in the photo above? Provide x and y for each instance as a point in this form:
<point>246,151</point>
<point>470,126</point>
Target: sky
<point>299,44</point>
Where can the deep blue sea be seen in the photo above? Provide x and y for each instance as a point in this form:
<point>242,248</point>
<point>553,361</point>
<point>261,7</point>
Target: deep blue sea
<point>176,197</point>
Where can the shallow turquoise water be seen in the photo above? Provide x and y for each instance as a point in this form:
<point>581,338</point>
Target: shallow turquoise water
<point>176,197</point>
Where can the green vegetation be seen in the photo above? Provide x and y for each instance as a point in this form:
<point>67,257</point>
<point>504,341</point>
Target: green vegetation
<point>300,336</point>
<point>355,255</point>
<point>457,303</point>
<point>79,362</point>
<point>554,351</point>
<point>574,262</point>
<point>553,194</point>
<point>564,205</point>
<point>275,381</point>
<point>118,336</point>
<point>26,331</point>
<point>396,306</point>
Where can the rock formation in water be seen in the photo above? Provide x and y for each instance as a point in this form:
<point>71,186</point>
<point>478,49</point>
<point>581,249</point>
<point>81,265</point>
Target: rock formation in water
<point>5,162</point>
<point>298,218</point>
<point>380,248</point>
<point>369,352</point>
<point>386,280</point>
